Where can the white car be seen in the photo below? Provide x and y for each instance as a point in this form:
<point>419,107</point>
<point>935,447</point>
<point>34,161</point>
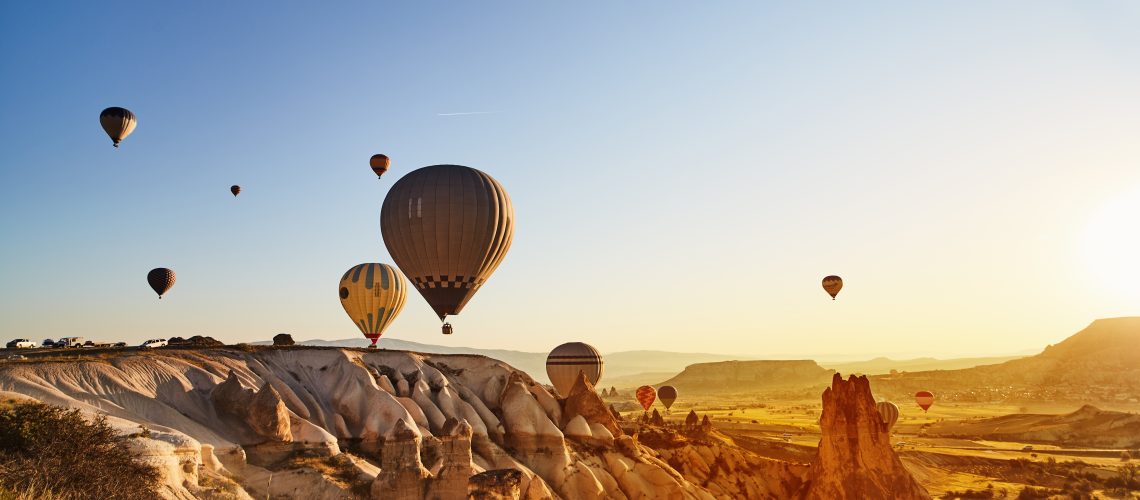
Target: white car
<point>22,344</point>
<point>152,343</point>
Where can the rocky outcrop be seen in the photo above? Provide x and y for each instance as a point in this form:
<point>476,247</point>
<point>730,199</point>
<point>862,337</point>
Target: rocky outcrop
<point>584,402</point>
<point>402,475</point>
<point>855,458</point>
<point>502,484</point>
<point>750,376</point>
<point>420,427</point>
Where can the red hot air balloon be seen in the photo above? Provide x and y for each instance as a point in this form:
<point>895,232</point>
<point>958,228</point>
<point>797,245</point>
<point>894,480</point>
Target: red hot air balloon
<point>646,395</point>
<point>925,399</point>
<point>235,189</point>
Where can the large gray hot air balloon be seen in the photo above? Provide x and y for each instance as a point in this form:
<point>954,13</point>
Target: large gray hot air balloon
<point>447,227</point>
<point>565,361</point>
<point>118,123</point>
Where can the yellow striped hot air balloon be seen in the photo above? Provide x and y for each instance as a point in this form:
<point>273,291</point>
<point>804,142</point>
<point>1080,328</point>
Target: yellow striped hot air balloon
<point>372,295</point>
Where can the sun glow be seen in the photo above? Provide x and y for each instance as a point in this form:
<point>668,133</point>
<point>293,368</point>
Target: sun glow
<point>1111,248</point>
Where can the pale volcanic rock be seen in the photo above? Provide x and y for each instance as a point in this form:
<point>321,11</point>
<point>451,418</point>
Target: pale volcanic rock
<point>584,401</point>
<point>465,414</point>
<point>855,458</point>
<point>402,475</point>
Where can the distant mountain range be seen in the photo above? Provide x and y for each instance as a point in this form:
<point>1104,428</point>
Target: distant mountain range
<point>628,369</point>
<point>1098,364</point>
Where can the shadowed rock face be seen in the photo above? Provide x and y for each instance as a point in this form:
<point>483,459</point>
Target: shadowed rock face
<point>855,459</point>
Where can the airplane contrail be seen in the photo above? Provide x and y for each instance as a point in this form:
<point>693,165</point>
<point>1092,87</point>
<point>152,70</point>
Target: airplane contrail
<point>469,113</point>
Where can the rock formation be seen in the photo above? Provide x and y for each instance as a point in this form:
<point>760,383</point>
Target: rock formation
<point>316,423</point>
<point>855,459</point>
<point>750,376</point>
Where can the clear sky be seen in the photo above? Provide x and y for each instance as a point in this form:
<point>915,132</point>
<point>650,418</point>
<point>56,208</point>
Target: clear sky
<point>683,173</point>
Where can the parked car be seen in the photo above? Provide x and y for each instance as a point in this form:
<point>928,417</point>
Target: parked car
<point>152,343</point>
<point>1027,448</point>
<point>22,344</point>
<point>119,344</point>
<point>48,343</point>
<point>71,342</point>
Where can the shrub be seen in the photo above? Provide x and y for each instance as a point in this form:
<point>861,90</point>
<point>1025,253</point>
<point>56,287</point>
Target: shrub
<point>283,339</point>
<point>59,454</point>
<point>1125,456</point>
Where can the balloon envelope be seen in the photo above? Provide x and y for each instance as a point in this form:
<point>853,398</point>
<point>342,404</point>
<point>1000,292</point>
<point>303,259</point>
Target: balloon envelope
<point>567,360</point>
<point>372,295</point>
<point>160,279</point>
<point>235,189</point>
<point>832,284</point>
<point>925,399</point>
<point>667,394</point>
<point>889,413</point>
<point>118,123</point>
<point>645,396</point>
<point>448,227</point>
<point>379,164</point>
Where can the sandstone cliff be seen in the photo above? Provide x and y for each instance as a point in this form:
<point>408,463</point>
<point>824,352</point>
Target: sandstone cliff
<point>315,423</point>
<point>750,376</point>
<point>855,459</point>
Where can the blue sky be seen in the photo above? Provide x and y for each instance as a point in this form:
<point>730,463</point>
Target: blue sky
<point>683,174</point>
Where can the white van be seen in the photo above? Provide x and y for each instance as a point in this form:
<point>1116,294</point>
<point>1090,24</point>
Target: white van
<point>71,342</point>
<point>152,343</point>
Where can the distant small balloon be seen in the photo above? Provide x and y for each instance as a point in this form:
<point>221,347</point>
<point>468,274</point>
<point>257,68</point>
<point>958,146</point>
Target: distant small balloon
<point>889,413</point>
<point>645,396</point>
<point>379,164</point>
<point>161,280</point>
<point>925,399</point>
<point>118,123</point>
<point>667,394</point>
<point>235,189</point>
<point>833,284</point>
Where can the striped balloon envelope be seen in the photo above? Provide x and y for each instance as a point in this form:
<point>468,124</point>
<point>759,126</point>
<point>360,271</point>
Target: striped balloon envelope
<point>448,227</point>
<point>925,399</point>
<point>161,280</point>
<point>566,361</point>
<point>118,123</point>
<point>667,394</point>
<point>889,413</point>
<point>372,295</point>
<point>645,396</point>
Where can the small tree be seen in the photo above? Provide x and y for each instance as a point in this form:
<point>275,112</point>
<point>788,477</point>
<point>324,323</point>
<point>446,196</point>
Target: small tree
<point>283,339</point>
<point>60,453</point>
<point>1125,456</point>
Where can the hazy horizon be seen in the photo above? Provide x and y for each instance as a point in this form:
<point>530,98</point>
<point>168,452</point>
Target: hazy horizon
<point>683,176</point>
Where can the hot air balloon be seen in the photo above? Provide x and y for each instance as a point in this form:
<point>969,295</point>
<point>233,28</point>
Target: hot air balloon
<point>645,395</point>
<point>833,284</point>
<point>889,413</point>
<point>160,279</point>
<point>448,227</point>
<point>379,164</point>
<point>925,399</point>
<point>567,360</point>
<point>372,295</point>
<point>667,394</point>
<point>235,189</point>
<point>118,123</point>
